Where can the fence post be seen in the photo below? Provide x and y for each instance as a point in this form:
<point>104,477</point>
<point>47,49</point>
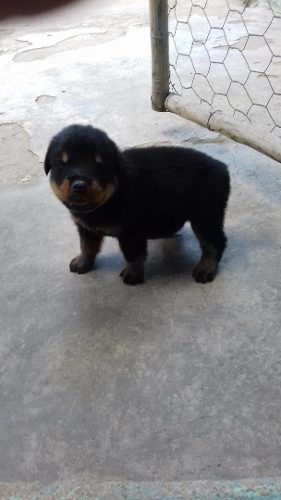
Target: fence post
<point>160,53</point>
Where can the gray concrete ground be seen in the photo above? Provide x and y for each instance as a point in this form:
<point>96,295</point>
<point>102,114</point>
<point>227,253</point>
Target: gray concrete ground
<point>109,391</point>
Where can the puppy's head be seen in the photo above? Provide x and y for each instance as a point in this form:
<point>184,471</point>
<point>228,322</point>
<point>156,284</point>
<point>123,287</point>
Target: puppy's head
<point>84,164</point>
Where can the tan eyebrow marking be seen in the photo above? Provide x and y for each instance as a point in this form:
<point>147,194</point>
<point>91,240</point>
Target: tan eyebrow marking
<point>98,158</point>
<point>64,157</point>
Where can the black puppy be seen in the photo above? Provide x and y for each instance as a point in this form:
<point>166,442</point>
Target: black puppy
<point>136,195</point>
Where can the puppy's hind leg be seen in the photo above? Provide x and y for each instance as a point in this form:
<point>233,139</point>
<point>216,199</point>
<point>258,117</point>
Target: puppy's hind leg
<point>134,249</point>
<point>213,242</point>
<point>90,244</point>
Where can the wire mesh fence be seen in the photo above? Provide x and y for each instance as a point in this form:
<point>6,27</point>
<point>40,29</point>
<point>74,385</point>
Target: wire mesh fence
<point>225,67</point>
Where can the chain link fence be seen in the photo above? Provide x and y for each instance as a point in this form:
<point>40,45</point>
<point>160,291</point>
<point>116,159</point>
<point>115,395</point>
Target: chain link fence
<point>225,68</point>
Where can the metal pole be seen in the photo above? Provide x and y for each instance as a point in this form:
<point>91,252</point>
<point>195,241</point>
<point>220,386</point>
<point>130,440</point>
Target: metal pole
<point>160,53</point>
<point>265,143</point>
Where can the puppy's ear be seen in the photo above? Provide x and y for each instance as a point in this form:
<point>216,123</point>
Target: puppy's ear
<point>47,162</point>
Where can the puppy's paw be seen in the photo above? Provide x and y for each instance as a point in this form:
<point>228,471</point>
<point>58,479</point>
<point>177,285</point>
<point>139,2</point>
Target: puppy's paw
<point>132,277</point>
<point>205,271</point>
<point>81,265</point>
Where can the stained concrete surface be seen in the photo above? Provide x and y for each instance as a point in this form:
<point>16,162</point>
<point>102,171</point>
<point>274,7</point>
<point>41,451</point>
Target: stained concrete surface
<point>104,384</point>
<point>18,164</point>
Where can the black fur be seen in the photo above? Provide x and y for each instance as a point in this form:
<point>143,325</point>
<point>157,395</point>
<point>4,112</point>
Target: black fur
<point>153,192</point>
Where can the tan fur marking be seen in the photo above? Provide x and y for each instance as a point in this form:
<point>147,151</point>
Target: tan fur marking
<point>62,191</point>
<point>98,158</point>
<point>99,194</point>
<point>65,157</point>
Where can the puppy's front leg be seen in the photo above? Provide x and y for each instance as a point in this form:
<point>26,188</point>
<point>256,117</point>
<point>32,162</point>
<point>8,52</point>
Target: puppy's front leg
<point>134,249</point>
<point>90,244</point>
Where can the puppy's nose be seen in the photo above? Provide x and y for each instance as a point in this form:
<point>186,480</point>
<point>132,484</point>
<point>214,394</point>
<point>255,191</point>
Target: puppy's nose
<point>78,187</point>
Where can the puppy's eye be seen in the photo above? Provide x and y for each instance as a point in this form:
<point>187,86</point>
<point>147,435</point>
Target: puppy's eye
<point>98,159</point>
<point>64,157</point>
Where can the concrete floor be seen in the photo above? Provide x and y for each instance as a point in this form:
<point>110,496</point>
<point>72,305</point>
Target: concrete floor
<point>166,390</point>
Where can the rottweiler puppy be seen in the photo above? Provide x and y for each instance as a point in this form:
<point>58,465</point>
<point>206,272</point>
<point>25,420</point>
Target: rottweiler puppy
<point>137,194</point>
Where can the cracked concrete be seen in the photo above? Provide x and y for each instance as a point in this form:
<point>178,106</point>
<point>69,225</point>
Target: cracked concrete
<point>108,391</point>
